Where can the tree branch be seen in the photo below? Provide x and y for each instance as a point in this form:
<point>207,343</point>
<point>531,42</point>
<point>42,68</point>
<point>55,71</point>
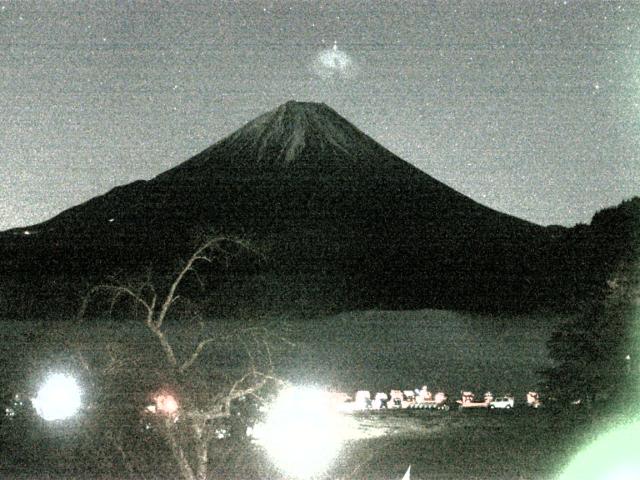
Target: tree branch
<point>196,353</point>
<point>116,291</point>
<point>178,452</point>
<point>171,295</point>
<point>164,343</point>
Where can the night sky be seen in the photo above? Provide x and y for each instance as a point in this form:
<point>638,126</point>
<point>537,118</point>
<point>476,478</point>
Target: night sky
<point>531,108</point>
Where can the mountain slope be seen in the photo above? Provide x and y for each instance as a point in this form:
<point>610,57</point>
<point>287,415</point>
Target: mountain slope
<point>328,205</point>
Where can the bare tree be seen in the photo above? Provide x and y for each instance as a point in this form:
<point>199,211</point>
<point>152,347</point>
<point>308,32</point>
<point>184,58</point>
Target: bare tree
<point>199,402</point>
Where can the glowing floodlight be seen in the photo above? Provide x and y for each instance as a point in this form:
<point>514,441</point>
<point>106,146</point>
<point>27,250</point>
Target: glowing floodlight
<point>59,397</point>
<point>612,456</point>
<point>303,431</point>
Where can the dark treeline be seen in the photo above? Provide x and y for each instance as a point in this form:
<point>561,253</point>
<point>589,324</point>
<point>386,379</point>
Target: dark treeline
<point>596,354</point>
<point>563,269</point>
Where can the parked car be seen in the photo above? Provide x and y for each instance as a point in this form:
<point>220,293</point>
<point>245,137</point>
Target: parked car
<point>505,402</point>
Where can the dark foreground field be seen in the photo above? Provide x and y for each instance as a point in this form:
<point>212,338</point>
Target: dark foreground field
<point>521,444</point>
<point>372,350</point>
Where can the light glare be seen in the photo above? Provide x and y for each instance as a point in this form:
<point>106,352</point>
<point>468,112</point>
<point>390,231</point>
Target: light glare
<point>166,404</point>
<point>613,456</point>
<point>59,398</point>
<point>303,431</point>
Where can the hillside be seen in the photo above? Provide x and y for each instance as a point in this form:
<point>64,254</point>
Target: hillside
<point>341,222</point>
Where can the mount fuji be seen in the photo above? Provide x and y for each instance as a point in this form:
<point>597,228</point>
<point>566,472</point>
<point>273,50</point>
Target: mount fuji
<point>341,220</point>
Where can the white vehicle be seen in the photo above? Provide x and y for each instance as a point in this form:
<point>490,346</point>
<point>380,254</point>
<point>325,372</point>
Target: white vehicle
<point>502,402</point>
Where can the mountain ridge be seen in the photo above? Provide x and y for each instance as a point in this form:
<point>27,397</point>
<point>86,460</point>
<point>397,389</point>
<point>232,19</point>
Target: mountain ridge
<point>256,140</point>
<point>323,198</point>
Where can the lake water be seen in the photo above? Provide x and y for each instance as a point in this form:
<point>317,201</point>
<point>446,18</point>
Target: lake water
<point>372,350</point>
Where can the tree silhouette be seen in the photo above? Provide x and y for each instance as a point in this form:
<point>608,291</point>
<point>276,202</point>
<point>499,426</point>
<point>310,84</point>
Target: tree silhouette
<point>596,354</point>
<point>193,377</point>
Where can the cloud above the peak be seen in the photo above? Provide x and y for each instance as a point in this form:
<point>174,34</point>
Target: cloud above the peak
<point>334,63</point>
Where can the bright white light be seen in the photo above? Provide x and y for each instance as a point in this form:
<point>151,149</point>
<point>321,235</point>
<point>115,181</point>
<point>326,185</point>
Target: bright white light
<point>59,398</point>
<point>303,431</point>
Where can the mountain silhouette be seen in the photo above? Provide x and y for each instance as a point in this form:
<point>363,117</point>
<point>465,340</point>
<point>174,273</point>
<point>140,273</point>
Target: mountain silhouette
<point>341,220</point>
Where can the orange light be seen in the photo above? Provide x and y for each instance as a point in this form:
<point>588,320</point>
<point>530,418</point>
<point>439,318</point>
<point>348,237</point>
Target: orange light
<point>166,404</point>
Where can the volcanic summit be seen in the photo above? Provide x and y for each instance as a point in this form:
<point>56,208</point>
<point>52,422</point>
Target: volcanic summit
<point>332,209</point>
